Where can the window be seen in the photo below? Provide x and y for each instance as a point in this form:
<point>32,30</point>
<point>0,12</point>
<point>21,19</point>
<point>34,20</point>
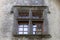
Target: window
<point>37,29</point>
<point>29,20</point>
<point>30,23</point>
<point>23,29</point>
<point>34,28</point>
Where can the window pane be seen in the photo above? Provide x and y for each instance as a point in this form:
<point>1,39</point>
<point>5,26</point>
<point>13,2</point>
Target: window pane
<point>39,29</point>
<point>39,26</point>
<point>25,32</point>
<point>34,25</point>
<point>20,33</point>
<point>34,29</point>
<point>25,29</point>
<point>20,26</point>
<point>25,25</point>
<point>20,29</point>
<point>33,32</point>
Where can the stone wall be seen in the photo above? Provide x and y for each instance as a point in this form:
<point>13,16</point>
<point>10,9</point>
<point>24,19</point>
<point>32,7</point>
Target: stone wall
<point>6,19</point>
<point>53,19</point>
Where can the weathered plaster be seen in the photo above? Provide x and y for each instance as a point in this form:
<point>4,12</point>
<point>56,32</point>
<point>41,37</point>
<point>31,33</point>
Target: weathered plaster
<point>6,19</point>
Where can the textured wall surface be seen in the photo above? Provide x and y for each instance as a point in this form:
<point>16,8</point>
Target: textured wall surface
<point>6,19</point>
<point>53,18</point>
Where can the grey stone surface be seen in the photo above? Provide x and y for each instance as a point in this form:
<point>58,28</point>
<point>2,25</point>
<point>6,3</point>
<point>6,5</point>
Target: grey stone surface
<point>6,19</point>
<point>53,19</point>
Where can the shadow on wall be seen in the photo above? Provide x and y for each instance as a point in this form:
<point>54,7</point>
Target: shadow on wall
<point>57,2</point>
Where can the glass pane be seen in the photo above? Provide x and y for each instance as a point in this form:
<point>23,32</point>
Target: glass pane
<point>33,32</point>
<point>25,32</point>
<point>20,26</point>
<point>25,29</point>
<point>20,33</point>
<point>20,29</point>
<point>34,29</point>
<point>25,25</point>
<point>39,26</point>
<point>39,29</point>
<point>34,25</point>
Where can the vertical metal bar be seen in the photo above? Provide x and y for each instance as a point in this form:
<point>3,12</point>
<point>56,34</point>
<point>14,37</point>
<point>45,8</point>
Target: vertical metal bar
<point>45,21</point>
<point>30,14</point>
<point>30,22</point>
<point>15,21</point>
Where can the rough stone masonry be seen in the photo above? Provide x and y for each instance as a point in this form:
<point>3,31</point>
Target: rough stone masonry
<point>6,19</point>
